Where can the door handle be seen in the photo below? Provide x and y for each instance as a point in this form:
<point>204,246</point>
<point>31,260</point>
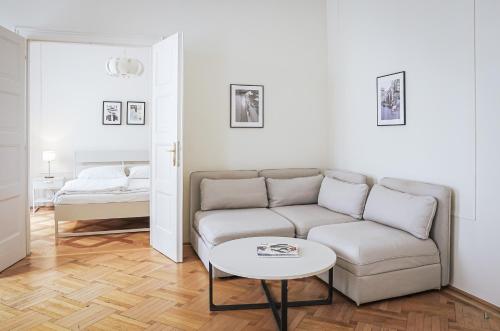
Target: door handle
<point>173,149</point>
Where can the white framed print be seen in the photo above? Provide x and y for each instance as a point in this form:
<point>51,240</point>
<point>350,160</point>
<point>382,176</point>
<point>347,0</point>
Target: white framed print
<point>136,113</point>
<point>391,103</point>
<point>247,106</point>
<point>111,113</point>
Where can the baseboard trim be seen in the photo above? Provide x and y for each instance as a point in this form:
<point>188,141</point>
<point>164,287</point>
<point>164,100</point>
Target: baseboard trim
<point>472,300</point>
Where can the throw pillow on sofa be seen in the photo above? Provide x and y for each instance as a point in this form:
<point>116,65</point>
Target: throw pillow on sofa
<point>233,193</point>
<point>404,211</point>
<point>343,197</point>
<point>293,191</point>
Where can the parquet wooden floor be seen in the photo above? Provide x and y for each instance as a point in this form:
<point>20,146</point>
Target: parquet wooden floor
<point>43,242</point>
<point>123,284</point>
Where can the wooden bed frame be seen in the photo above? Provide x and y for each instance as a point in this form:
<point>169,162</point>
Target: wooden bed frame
<point>102,211</point>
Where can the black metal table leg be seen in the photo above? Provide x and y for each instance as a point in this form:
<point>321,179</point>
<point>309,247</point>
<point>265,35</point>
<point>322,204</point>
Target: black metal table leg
<point>284,305</point>
<point>330,286</point>
<point>279,309</point>
<point>210,287</point>
<point>214,307</point>
<point>272,303</point>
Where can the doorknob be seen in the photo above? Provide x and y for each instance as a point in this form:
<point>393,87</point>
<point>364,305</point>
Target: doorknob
<point>173,149</point>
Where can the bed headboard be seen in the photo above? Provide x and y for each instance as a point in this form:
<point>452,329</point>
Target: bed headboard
<point>86,159</point>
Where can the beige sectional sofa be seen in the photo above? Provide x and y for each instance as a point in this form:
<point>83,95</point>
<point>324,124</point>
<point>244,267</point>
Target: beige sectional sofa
<point>385,246</point>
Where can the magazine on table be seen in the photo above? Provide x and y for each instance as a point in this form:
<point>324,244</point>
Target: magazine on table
<point>277,250</point>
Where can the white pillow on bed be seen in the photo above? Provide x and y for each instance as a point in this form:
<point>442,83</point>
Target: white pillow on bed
<point>102,172</point>
<point>139,172</point>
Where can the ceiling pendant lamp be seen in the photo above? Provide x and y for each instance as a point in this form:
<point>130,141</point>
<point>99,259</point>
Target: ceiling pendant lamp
<point>124,67</point>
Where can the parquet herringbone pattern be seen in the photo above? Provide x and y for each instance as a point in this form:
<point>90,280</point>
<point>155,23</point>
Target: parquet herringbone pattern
<point>125,285</point>
<point>42,235</point>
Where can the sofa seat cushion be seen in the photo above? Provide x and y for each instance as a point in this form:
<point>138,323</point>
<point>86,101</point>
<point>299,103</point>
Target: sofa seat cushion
<point>305,217</point>
<point>368,248</point>
<point>218,226</point>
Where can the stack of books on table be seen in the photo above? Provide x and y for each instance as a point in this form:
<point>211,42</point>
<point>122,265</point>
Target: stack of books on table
<point>277,250</point>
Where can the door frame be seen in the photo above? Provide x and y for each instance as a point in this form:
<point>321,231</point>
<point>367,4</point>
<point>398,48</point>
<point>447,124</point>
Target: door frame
<point>66,36</point>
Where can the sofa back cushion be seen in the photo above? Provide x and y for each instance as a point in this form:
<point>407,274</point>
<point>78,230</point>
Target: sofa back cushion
<point>293,191</point>
<point>288,173</point>
<point>343,197</point>
<point>233,193</point>
<point>346,176</point>
<point>404,211</point>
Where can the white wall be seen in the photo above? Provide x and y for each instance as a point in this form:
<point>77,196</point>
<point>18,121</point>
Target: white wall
<point>68,83</point>
<point>434,43</point>
<point>280,44</point>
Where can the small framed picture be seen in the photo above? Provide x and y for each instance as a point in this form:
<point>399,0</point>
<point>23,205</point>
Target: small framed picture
<point>136,113</point>
<point>111,113</point>
<point>391,109</point>
<point>247,106</point>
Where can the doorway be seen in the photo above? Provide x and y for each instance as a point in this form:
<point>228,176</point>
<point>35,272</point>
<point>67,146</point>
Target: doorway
<point>71,99</point>
<point>57,133</point>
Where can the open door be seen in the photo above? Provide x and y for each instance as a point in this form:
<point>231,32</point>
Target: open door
<point>166,159</point>
<point>13,149</point>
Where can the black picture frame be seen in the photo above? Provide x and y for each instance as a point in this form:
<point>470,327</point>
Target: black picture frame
<point>106,121</point>
<point>401,96</point>
<point>246,125</point>
<point>144,114</point>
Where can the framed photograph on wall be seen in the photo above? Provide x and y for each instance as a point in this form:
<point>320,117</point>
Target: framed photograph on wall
<point>111,113</point>
<point>391,103</point>
<point>247,106</point>
<point>136,113</point>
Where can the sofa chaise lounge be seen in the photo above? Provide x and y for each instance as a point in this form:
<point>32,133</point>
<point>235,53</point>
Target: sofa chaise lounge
<point>376,259</point>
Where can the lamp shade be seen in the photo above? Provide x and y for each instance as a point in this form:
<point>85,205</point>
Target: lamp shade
<point>48,155</point>
<point>124,67</point>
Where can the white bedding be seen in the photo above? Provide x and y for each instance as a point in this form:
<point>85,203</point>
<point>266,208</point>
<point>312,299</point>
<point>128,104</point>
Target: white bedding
<point>83,185</point>
<point>81,199</point>
<point>82,191</point>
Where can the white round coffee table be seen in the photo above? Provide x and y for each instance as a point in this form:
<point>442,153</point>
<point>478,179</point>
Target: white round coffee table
<point>239,257</point>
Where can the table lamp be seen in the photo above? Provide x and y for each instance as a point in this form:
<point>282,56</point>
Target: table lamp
<point>49,156</point>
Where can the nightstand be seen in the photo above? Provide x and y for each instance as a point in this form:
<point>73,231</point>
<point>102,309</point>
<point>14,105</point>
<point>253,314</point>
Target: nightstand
<point>48,186</point>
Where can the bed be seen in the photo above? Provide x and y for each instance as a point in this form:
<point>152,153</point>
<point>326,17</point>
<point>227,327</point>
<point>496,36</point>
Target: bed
<point>94,198</point>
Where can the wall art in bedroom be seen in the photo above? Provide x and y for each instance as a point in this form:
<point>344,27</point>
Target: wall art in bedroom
<point>111,113</point>
<point>136,113</point>
<point>247,106</point>
<point>391,109</point>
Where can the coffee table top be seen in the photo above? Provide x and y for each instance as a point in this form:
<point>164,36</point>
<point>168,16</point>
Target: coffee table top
<point>239,257</point>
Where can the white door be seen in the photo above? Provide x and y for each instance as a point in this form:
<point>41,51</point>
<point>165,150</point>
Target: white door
<point>13,149</point>
<point>166,158</point>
